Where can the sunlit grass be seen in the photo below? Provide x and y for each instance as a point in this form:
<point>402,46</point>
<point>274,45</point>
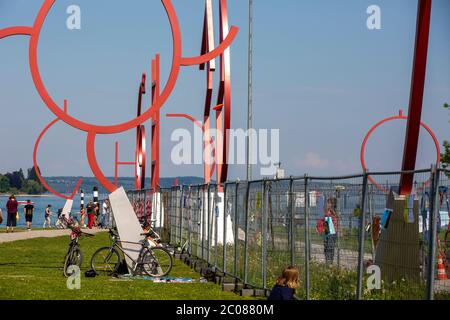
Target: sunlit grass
<point>32,269</point>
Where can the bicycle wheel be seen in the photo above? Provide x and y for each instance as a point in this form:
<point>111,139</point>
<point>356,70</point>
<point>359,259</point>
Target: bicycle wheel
<point>157,262</point>
<point>73,258</point>
<point>106,261</point>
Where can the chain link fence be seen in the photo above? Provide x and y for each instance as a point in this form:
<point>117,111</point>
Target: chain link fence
<point>351,237</point>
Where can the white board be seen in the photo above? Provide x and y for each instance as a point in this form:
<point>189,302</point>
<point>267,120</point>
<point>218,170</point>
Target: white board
<point>127,224</point>
<point>67,208</point>
<point>219,215</point>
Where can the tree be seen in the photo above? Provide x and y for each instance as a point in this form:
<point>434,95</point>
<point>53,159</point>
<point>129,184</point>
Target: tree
<point>4,184</point>
<point>16,179</point>
<point>32,175</point>
<point>32,187</point>
<point>445,156</point>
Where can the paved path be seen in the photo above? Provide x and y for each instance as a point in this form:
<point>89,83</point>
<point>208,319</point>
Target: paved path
<point>24,235</point>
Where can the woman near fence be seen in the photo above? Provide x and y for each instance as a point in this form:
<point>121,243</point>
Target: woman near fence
<point>328,226</point>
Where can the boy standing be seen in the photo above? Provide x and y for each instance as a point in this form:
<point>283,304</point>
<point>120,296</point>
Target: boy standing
<point>29,210</point>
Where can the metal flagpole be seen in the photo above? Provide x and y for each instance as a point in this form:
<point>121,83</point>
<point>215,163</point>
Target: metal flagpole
<point>250,88</point>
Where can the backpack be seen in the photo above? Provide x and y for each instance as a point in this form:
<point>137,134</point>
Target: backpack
<point>90,274</point>
<point>320,226</point>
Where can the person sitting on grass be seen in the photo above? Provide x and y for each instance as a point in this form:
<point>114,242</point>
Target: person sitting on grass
<point>147,228</point>
<point>286,285</point>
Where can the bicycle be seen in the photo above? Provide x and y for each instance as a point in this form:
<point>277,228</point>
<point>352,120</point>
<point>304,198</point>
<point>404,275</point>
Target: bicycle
<point>155,261</point>
<point>74,256</point>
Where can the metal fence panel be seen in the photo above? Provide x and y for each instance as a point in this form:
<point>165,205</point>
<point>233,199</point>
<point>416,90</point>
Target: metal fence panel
<point>254,230</point>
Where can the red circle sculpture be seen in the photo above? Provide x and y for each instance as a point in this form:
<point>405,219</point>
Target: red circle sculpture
<point>401,116</point>
<point>91,129</point>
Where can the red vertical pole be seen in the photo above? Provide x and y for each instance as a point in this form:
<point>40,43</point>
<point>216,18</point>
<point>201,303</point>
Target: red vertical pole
<point>140,137</point>
<point>207,46</point>
<point>416,96</point>
<point>155,124</point>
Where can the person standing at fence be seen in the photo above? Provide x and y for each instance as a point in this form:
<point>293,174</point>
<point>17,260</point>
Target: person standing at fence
<point>28,211</point>
<point>330,230</point>
<point>11,208</point>
<point>286,285</point>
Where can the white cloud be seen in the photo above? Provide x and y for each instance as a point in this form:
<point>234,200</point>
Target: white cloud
<point>313,160</point>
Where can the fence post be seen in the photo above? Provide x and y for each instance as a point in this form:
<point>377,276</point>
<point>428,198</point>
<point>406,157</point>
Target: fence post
<point>247,195</point>
<point>236,220</point>
<point>292,215</point>
<point>181,215</point>
<point>224,250</point>
<point>161,218</point>
<point>362,237</point>
<point>307,253</point>
<point>196,223</point>
<point>145,207</point>
<point>203,224</point>
<point>216,224</point>
<point>264,235</point>
<point>208,225</point>
<point>189,222</point>
<point>433,232</point>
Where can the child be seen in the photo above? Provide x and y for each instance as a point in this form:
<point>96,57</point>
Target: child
<point>286,285</point>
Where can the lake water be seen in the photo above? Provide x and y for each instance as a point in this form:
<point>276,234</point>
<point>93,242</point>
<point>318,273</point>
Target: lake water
<point>40,203</point>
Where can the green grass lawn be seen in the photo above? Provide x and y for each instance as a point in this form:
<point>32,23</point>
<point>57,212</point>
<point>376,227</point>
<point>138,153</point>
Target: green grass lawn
<point>32,269</point>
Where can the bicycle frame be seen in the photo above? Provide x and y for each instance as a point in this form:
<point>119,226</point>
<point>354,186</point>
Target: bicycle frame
<point>136,263</point>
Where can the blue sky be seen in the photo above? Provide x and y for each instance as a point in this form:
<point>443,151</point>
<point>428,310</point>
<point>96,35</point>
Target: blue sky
<point>320,76</point>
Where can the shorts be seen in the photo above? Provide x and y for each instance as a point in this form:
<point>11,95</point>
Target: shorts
<point>11,221</point>
<point>29,218</point>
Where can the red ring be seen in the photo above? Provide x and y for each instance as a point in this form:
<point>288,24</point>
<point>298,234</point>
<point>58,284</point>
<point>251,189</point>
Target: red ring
<point>401,116</point>
<point>83,126</point>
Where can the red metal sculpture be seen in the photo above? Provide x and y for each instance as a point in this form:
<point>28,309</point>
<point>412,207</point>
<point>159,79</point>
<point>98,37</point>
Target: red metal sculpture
<point>416,99</point>
<point>158,99</point>
<point>415,103</point>
<point>401,116</point>
<point>223,108</point>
